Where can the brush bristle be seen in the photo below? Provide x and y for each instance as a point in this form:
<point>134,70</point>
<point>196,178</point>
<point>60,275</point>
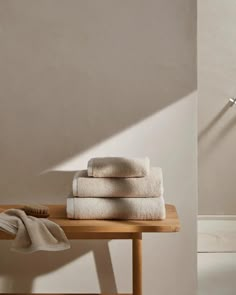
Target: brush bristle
<point>37,210</point>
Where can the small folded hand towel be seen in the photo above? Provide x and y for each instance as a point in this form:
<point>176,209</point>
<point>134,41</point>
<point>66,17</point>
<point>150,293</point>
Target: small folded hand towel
<point>118,167</point>
<point>31,233</point>
<point>116,208</point>
<point>148,186</point>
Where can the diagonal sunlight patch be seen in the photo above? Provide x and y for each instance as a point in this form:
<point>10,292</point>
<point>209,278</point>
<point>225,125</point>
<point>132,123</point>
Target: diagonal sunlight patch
<point>151,137</point>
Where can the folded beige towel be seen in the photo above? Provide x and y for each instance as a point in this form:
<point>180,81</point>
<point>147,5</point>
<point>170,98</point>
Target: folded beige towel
<point>31,233</point>
<point>148,186</point>
<point>118,167</point>
<point>116,208</point>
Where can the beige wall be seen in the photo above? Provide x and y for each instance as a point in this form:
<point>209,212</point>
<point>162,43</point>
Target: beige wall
<point>217,121</point>
<point>86,78</point>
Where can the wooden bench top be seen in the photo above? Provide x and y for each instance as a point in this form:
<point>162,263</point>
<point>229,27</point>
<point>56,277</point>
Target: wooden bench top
<point>77,228</point>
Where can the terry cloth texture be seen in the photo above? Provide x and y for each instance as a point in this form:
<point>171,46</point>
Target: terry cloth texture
<point>148,186</point>
<point>32,234</point>
<point>116,208</point>
<point>118,167</point>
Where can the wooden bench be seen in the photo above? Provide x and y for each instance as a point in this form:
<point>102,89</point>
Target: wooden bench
<point>112,229</point>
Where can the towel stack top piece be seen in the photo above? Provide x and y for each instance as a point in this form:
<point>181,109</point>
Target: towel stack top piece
<point>118,167</point>
<point>116,184</point>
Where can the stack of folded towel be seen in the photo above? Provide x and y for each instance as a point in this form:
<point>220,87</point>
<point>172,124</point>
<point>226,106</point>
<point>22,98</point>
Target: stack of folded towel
<point>117,188</point>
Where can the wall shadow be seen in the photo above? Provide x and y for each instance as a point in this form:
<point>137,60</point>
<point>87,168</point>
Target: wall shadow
<point>219,137</point>
<point>223,133</point>
<point>213,122</point>
<point>19,270</point>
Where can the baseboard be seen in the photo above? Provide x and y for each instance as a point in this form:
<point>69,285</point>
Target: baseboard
<point>216,217</point>
<point>216,233</point>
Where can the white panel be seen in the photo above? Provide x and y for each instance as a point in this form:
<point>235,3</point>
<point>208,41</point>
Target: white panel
<point>217,234</point>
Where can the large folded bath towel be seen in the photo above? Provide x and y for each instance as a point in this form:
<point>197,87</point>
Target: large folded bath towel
<point>118,167</point>
<point>31,233</point>
<point>116,208</point>
<point>148,186</point>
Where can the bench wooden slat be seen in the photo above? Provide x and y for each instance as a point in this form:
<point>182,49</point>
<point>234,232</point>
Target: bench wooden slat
<point>77,228</point>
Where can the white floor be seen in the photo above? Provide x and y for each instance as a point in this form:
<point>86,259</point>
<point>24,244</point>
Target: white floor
<point>216,273</point>
<point>216,257</point>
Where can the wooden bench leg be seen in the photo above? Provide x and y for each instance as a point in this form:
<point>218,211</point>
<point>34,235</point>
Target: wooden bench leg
<point>137,264</point>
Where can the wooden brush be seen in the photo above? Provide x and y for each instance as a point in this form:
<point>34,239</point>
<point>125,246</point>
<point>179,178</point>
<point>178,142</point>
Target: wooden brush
<point>36,210</point>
